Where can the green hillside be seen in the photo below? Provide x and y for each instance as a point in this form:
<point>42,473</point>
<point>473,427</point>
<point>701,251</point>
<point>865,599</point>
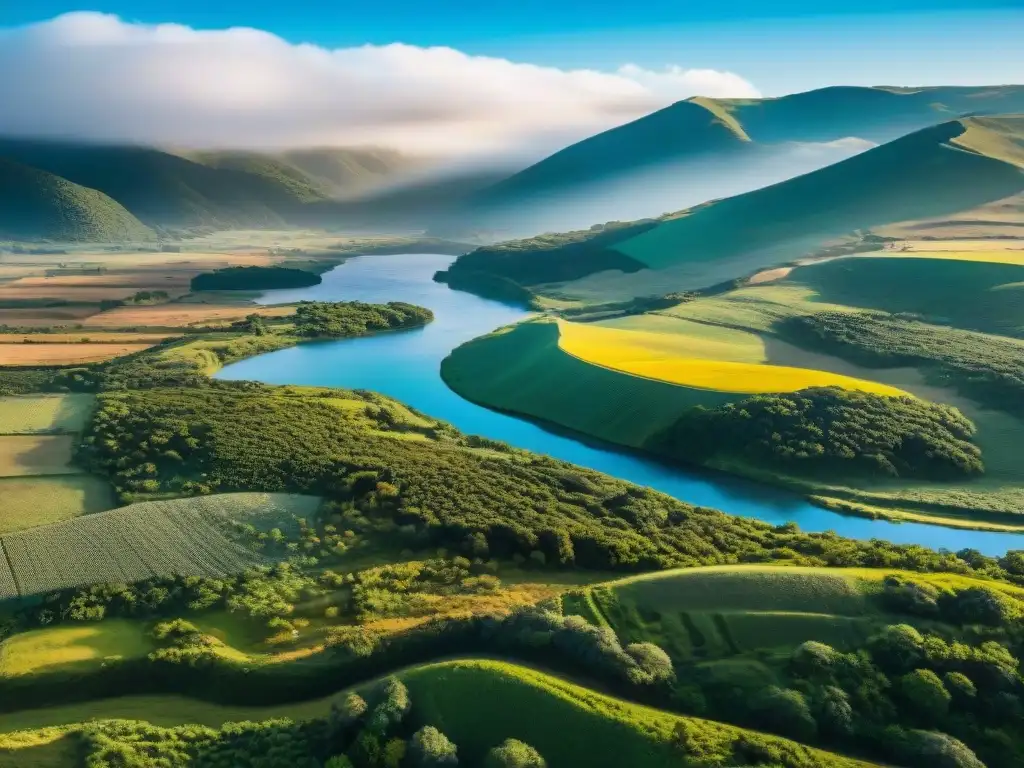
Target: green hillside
<point>35,204</point>
<point>922,175</point>
<point>164,189</point>
<point>266,167</point>
<point>480,703</point>
<point>315,174</point>
<point>343,172</point>
<point>701,128</point>
<point>685,130</point>
<point>477,704</point>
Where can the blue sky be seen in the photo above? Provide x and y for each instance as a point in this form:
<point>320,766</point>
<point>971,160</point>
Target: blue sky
<point>780,46</point>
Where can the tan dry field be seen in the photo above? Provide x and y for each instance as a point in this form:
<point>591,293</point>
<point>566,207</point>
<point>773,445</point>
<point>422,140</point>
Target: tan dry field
<point>80,337</point>
<point>180,315</point>
<point>64,354</point>
<point>26,455</point>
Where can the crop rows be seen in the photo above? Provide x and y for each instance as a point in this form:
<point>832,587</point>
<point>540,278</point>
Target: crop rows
<point>157,538</point>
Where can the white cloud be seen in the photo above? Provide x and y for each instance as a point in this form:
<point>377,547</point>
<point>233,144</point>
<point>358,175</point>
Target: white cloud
<point>94,76</point>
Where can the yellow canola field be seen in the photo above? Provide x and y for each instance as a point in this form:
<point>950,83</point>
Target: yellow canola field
<point>635,353</point>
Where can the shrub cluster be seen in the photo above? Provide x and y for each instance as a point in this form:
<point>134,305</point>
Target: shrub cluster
<point>254,279</point>
<point>355,318</point>
<point>833,432</point>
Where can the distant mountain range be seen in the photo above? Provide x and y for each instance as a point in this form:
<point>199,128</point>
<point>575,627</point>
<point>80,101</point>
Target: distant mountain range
<point>685,154</point>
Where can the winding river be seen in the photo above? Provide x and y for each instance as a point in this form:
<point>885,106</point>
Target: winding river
<point>406,366</point>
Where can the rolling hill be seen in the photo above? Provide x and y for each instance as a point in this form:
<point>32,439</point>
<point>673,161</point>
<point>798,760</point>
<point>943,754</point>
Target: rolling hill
<point>210,189</point>
<point>930,174</point>
<point>934,172</point>
<point>701,128</point>
<point>35,203</point>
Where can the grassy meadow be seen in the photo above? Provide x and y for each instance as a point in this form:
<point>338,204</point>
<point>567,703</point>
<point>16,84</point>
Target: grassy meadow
<point>743,617</point>
<point>42,414</point>
<point>73,646</point>
<point>477,703</point>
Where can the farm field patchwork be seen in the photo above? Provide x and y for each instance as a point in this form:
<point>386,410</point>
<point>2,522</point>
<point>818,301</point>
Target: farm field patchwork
<point>193,536</point>
<point>41,414</point>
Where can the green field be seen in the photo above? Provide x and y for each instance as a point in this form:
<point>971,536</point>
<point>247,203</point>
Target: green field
<point>42,414</point>
<point>522,369</point>
<point>728,611</point>
<point>477,704</point>
<point>156,538</point>
<point>969,294</point>
<point>35,501</point>
<point>73,646</point>
<point>28,455</point>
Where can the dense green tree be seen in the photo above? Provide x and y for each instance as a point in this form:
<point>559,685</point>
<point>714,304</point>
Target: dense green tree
<point>923,690</point>
<point>513,753</point>
<point>932,749</point>
<point>832,432</point>
<point>834,713</point>
<point>897,648</point>
<point>429,748</point>
<point>785,711</point>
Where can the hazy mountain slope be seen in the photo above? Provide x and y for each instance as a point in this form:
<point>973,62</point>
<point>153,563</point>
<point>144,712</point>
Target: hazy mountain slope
<point>735,132</point>
<point>269,167</point>
<point>345,172</point>
<point>35,204</point>
<point>685,129</point>
<point>161,188</point>
<point>936,171</point>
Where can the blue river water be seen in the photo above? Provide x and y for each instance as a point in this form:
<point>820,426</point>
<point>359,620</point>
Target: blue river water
<point>406,366</point>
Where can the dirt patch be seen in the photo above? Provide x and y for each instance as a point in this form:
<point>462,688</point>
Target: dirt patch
<point>770,275</point>
<point>64,354</point>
